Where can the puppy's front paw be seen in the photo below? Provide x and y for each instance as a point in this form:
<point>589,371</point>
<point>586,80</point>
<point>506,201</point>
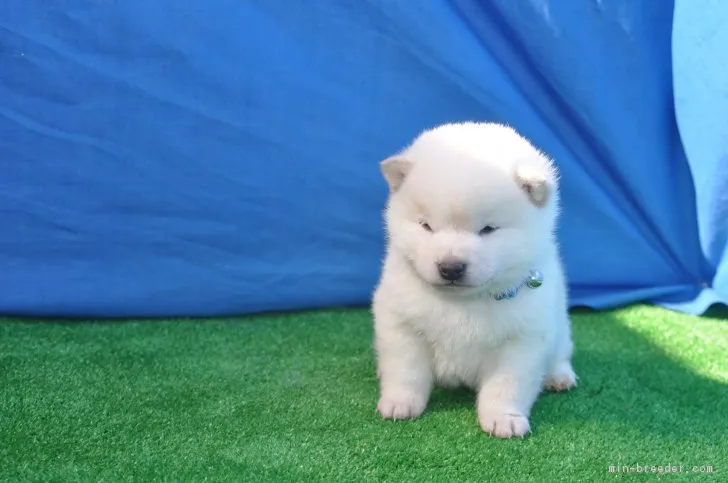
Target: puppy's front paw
<point>503,424</point>
<point>401,406</point>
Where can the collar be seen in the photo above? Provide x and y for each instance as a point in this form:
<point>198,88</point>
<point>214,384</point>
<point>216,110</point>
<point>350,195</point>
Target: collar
<point>533,280</point>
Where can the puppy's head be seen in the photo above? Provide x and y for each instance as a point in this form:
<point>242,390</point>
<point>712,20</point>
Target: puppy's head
<point>472,206</point>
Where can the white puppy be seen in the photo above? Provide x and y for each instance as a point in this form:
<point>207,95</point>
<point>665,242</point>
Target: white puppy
<point>472,291</point>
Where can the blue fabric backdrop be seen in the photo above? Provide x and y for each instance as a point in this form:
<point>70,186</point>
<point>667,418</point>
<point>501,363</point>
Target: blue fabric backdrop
<point>700,62</point>
<point>221,156</point>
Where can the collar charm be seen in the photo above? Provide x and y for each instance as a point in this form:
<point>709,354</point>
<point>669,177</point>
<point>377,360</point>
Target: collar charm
<point>534,280</point>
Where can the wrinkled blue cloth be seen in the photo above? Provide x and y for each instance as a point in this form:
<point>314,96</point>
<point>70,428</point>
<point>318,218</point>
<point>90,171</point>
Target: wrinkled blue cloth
<point>206,158</point>
<point>700,62</point>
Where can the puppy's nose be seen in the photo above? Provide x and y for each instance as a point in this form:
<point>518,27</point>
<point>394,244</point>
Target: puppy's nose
<point>452,271</point>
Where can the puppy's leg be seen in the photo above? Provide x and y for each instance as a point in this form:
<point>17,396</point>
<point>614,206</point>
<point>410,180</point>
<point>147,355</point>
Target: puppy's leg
<point>561,375</point>
<point>404,371</point>
<point>510,388</point>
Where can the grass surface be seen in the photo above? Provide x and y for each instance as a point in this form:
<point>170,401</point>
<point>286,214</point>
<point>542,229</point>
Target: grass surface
<point>291,398</point>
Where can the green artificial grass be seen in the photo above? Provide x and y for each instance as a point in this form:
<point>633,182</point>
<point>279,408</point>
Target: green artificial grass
<point>291,398</point>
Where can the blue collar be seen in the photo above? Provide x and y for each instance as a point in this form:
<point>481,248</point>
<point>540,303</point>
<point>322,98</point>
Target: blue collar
<point>533,280</point>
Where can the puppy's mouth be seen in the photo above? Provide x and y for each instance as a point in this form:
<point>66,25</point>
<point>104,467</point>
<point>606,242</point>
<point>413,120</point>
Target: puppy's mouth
<point>455,285</point>
<point>458,289</point>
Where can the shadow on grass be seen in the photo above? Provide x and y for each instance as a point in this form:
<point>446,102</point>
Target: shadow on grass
<point>625,382</point>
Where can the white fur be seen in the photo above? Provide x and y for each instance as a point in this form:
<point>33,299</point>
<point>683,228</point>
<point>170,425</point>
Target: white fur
<point>456,179</point>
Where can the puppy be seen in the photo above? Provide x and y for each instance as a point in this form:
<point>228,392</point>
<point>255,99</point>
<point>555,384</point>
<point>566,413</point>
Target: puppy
<point>472,291</point>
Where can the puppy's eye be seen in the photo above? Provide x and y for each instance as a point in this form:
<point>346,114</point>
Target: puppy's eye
<point>425,226</point>
<point>488,229</point>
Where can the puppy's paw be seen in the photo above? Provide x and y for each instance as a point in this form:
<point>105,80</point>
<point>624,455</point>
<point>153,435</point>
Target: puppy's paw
<point>503,424</point>
<point>401,406</point>
<point>562,378</point>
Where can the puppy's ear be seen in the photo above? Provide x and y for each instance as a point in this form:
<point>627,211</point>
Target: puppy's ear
<point>537,182</point>
<point>395,170</point>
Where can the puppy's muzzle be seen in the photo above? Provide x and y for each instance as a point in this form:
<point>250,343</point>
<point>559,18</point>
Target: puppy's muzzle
<point>452,270</point>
